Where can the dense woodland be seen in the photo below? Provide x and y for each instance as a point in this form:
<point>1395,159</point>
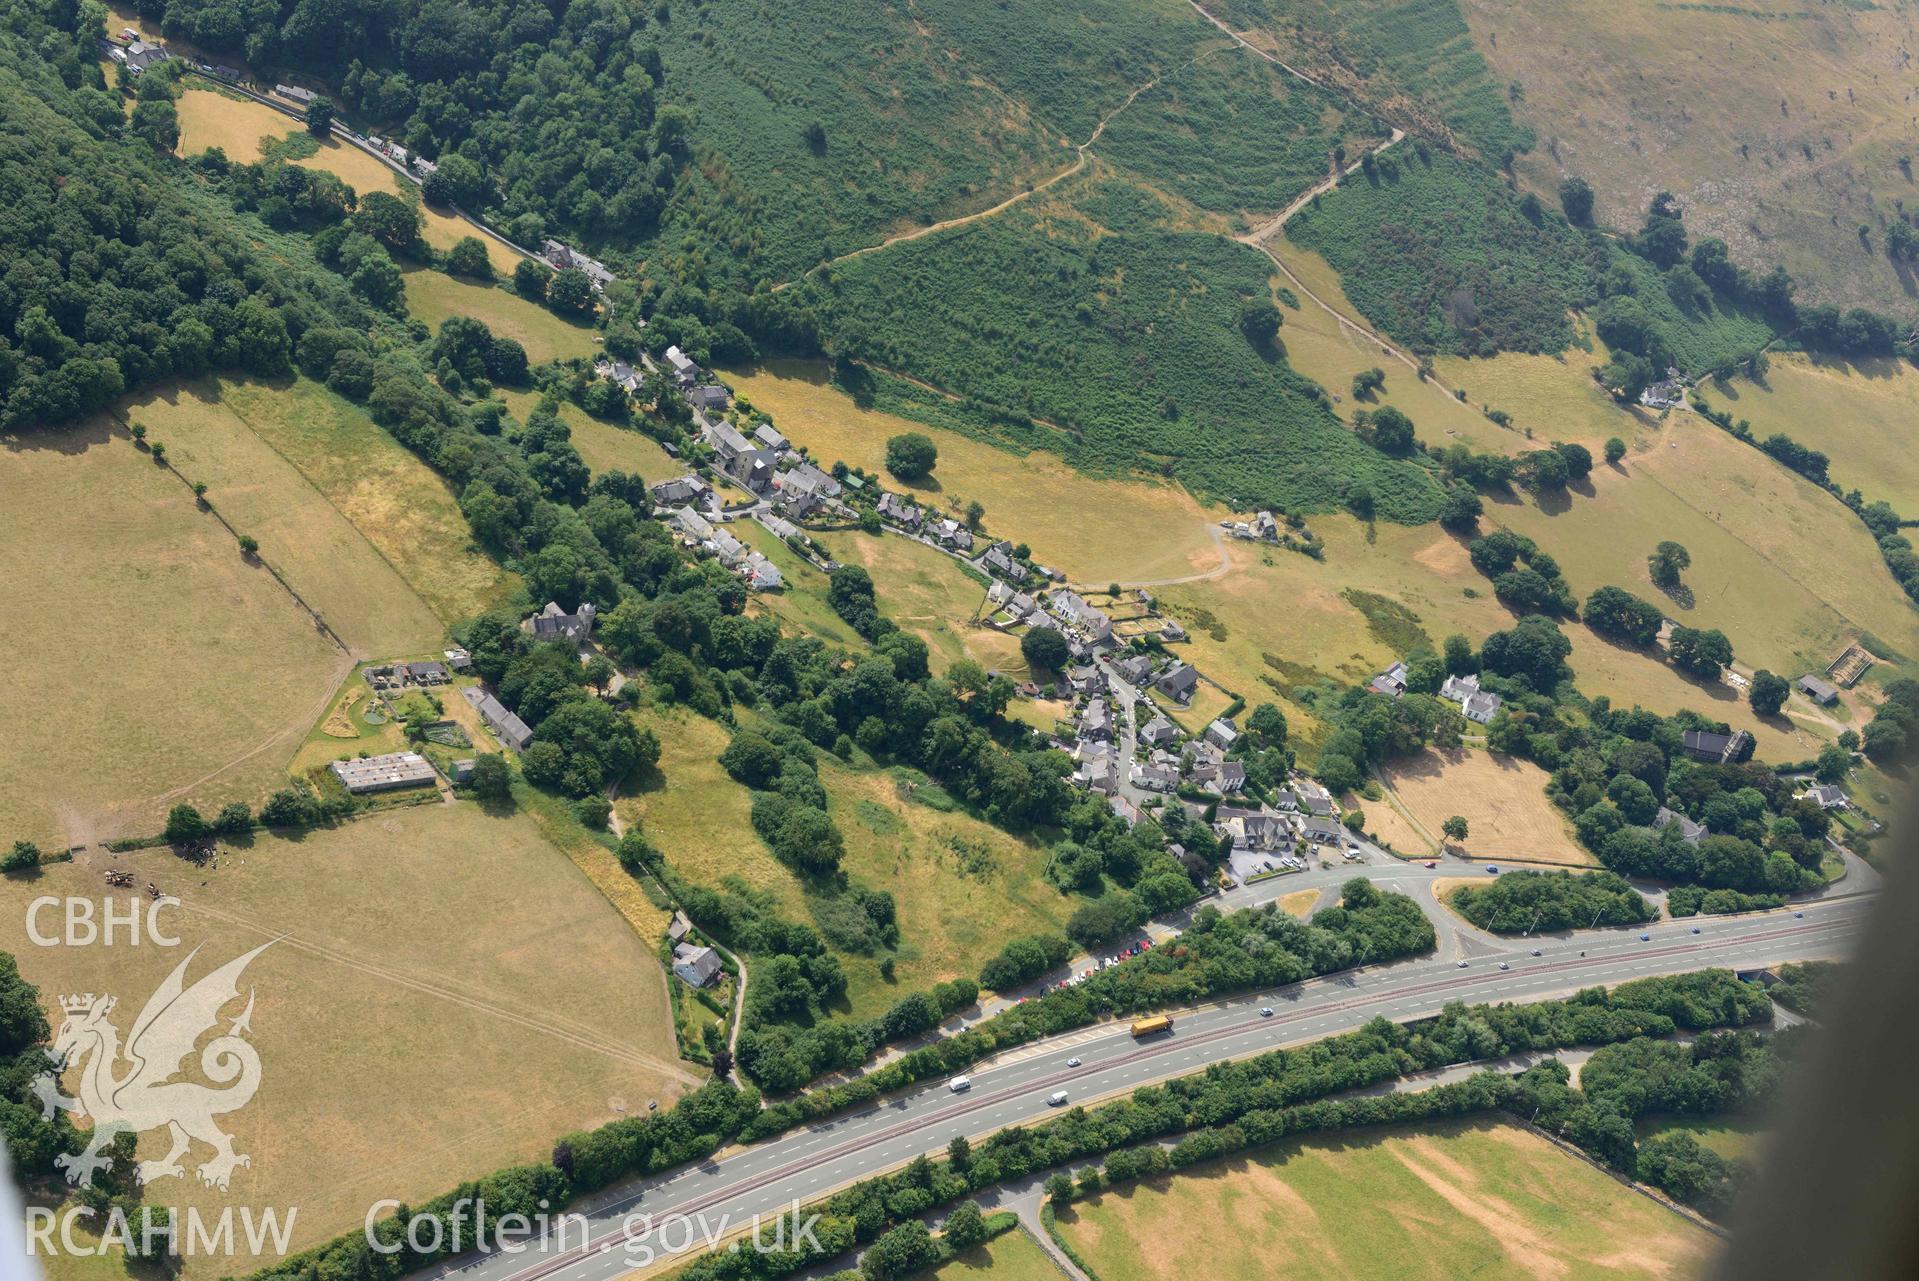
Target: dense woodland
<point>1093,314</point>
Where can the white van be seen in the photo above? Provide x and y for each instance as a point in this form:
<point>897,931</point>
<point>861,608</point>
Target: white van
<point>959,1085</point>
<point>1057,1099</point>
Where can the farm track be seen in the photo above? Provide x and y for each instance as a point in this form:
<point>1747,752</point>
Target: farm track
<point>1082,150</point>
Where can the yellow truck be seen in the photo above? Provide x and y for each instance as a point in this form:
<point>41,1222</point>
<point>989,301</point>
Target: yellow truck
<point>1153,1026</point>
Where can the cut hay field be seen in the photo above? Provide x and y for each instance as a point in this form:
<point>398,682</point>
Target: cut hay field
<point>150,663</point>
<point>1279,621</point>
<point>397,961</point>
<point>434,295</point>
<point>1461,1198</point>
<point>323,555</point>
<point>1778,124</point>
<point>962,887</point>
<point>210,119</point>
<point>1096,530</point>
<point>1502,798</point>
<point>1863,416</point>
<point>1012,1256</point>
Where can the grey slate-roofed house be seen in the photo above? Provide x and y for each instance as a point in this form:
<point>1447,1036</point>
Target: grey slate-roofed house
<point>695,965</point>
<point>1324,831</point>
<point>900,511</point>
<point>1222,733</point>
<point>1155,778</point>
<point>1158,730</point>
<point>768,438</point>
<point>810,479</point>
<point>1179,681</point>
<point>726,440</point>
<point>1478,705</point>
<point>680,491</point>
<point>506,726</point>
<point>1829,796</point>
<point>1000,565</point>
<point>708,397</point>
<point>681,366</point>
<point>1690,832</point>
<point>554,623</point>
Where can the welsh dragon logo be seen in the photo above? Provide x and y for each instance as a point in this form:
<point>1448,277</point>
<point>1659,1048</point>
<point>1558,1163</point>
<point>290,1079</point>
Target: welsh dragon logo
<point>144,1095</point>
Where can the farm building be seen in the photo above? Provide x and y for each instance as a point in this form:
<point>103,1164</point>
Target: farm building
<point>384,773</point>
<point>506,725</point>
<point>1718,749</point>
<point>1817,690</point>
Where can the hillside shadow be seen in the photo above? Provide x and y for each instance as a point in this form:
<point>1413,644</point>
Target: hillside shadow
<point>1881,368</point>
<point>71,440</point>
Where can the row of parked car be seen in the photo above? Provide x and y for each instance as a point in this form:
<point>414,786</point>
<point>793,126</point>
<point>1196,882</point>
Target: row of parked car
<point>1106,963</point>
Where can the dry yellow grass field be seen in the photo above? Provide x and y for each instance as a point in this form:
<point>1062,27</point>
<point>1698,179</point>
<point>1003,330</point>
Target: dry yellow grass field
<point>1863,416</point>
<point>1502,798</point>
<point>1779,124</point>
<point>926,593</point>
<point>1777,564</point>
<point>237,127</point>
<point>962,887</point>
<point>1299,903</point>
<point>1389,825</point>
<point>415,1022</point>
<point>1096,530</point>
<point>151,664</point>
<point>403,507</point>
<point>1553,396</point>
<point>1460,1198</point>
<point>321,553</point>
<point>434,295</point>
<point>605,447</point>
